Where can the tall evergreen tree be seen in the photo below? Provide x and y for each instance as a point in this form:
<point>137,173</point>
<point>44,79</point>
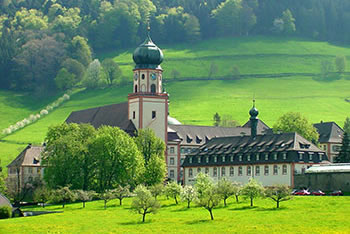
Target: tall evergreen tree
<point>344,154</point>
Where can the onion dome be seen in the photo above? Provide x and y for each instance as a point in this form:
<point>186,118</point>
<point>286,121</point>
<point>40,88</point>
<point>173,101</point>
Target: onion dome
<point>253,112</point>
<point>148,55</point>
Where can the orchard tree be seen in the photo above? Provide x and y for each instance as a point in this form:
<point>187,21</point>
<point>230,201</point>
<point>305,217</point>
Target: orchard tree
<point>295,122</point>
<point>188,194</point>
<point>157,190</point>
<point>252,190</point>
<point>93,76</point>
<point>85,196</point>
<point>112,70</point>
<point>237,189</point>
<point>173,189</point>
<point>207,193</point>
<point>118,161</point>
<point>107,196</point>
<point>144,203</point>
<point>152,148</point>
<point>42,195</point>
<point>122,192</point>
<point>225,189</point>
<point>63,195</point>
<point>278,193</point>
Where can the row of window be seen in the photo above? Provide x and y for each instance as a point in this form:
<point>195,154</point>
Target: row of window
<point>240,171</point>
<point>185,150</point>
<point>27,170</point>
<point>154,115</point>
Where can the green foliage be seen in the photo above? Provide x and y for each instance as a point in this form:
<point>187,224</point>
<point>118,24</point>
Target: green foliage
<point>73,66</point>
<point>288,22</point>
<point>188,194</point>
<point>144,203</point>
<point>66,157</point>
<point>121,164</point>
<point>5,212</point>
<point>216,119</point>
<point>93,75</point>
<point>81,51</point>
<point>340,63</point>
<point>112,70</point>
<point>207,193</point>
<point>237,188</point>
<point>252,190</point>
<point>347,125</point>
<point>344,153</point>
<point>157,190</point>
<point>278,193</point>
<point>63,195</point>
<point>225,189</point>
<point>173,189</point>
<point>295,122</point>
<point>85,196</point>
<point>107,196</point>
<point>152,148</point>
<point>64,79</point>
<point>42,195</point>
<point>121,192</point>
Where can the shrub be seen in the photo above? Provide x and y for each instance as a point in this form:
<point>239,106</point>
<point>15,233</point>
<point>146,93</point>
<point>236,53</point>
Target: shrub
<point>5,212</point>
<point>44,112</point>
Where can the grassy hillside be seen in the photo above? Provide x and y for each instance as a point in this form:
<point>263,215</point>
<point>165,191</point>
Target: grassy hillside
<point>195,102</point>
<point>323,215</point>
<point>252,55</point>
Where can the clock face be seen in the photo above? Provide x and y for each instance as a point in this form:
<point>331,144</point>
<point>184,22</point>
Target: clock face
<point>135,76</point>
<point>154,76</point>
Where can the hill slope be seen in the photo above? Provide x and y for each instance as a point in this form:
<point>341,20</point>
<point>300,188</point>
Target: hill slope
<point>195,102</point>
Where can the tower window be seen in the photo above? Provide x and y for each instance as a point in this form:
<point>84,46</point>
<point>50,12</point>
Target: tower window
<point>154,114</point>
<point>133,114</point>
<point>135,88</point>
<point>153,88</point>
<point>143,76</point>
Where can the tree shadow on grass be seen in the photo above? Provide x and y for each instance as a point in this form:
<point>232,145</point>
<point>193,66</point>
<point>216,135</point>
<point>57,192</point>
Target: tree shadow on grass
<point>182,209</point>
<point>169,205</point>
<point>130,223</point>
<point>271,209</point>
<point>244,208</point>
<point>197,221</point>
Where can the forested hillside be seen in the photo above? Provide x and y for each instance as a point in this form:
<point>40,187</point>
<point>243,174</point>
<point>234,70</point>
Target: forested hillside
<point>48,45</point>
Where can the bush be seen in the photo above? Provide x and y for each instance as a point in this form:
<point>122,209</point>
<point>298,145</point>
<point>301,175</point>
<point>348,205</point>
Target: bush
<point>5,212</point>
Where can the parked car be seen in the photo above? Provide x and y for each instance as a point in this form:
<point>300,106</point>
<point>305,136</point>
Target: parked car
<point>336,193</point>
<point>302,193</point>
<point>318,193</point>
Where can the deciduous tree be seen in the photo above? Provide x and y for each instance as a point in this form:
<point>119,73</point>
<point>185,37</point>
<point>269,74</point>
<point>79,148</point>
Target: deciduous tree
<point>112,70</point>
<point>144,203</point>
<point>107,196</point>
<point>85,196</point>
<point>252,190</point>
<point>173,190</point>
<point>225,189</point>
<point>63,195</point>
<point>188,194</point>
<point>121,192</point>
<point>42,195</point>
<point>278,193</point>
<point>157,190</point>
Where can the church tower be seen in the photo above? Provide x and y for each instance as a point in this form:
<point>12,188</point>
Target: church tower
<point>148,104</point>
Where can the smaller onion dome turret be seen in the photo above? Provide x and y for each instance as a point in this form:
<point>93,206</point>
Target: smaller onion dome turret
<point>253,112</point>
<point>148,55</point>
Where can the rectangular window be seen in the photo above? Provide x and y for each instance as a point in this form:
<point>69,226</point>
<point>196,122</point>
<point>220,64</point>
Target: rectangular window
<point>172,161</point>
<point>266,157</point>
<point>172,150</point>
<point>284,156</point>
<point>284,169</point>
<point>182,150</point>
<point>199,159</point>
<point>190,173</point>
<point>172,174</point>
<point>190,159</point>
<point>249,171</point>
<point>215,172</point>
<point>257,157</point>
<point>300,156</point>
<point>257,170</point>
<point>239,171</point>
<point>320,157</point>
<point>275,156</point>
<point>310,157</point>
<point>206,170</point>
<point>240,157</point>
<point>207,159</point>
<point>275,170</point>
<point>182,160</point>
<point>248,157</point>
<point>223,158</point>
<point>232,171</point>
<point>266,170</point>
<point>223,171</point>
<point>154,114</point>
<point>215,159</point>
<point>231,158</point>
<point>133,115</point>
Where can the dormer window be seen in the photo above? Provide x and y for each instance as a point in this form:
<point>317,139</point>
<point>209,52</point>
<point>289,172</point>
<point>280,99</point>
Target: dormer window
<point>190,159</point>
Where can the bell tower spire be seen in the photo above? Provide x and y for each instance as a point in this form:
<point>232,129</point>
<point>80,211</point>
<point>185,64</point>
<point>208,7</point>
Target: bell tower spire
<point>148,104</point>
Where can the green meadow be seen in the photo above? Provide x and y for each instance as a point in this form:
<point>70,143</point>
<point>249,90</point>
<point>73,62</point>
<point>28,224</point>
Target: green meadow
<point>299,215</point>
<point>195,102</point>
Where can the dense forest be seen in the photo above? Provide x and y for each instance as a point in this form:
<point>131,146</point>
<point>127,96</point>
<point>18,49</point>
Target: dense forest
<point>47,45</point>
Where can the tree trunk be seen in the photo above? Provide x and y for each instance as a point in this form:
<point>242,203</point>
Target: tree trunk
<point>224,201</point>
<point>83,204</point>
<point>251,201</point>
<point>175,200</point>
<point>143,216</point>
<point>236,198</point>
<point>43,204</point>
<point>278,203</point>
<point>188,204</point>
<point>105,204</point>
<point>63,205</point>
<point>120,201</point>
<point>211,214</point>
